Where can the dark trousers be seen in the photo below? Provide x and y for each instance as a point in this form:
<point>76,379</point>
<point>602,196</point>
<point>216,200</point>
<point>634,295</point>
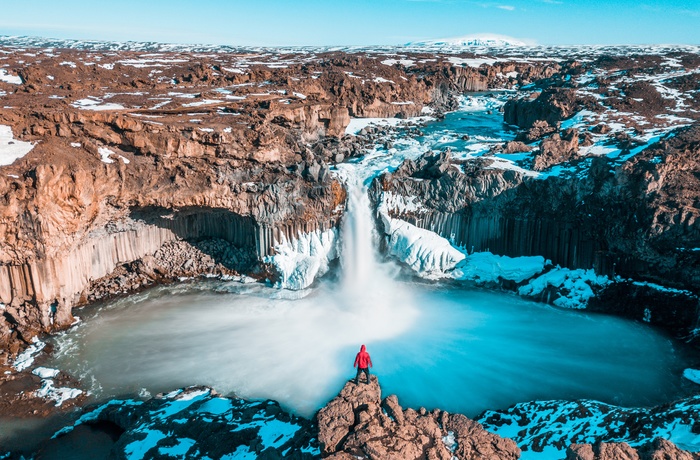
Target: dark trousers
<point>359,371</point>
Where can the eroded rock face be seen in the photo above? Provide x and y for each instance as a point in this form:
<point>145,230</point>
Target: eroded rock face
<point>552,105</point>
<point>358,423</point>
<point>556,149</point>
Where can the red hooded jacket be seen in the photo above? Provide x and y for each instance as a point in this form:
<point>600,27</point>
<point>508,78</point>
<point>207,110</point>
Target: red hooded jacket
<point>362,359</point>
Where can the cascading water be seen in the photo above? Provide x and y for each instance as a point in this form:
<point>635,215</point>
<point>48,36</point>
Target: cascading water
<point>358,255</point>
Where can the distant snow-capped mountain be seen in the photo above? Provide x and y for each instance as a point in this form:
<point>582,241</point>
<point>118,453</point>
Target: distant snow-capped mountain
<point>492,41</point>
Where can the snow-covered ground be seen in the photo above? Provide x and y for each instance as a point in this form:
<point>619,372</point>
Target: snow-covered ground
<point>561,423</point>
<point>10,148</point>
<point>358,124</point>
<point>160,428</point>
<point>7,78</point>
<point>96,105</point>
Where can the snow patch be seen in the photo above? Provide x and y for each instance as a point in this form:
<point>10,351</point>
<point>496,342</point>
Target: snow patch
<point>138,449</point>
<point>95,104</point>
<point>241,453</point>
<point>104,154</point>
<point>471,62</point>
<point>12,79</point>
<point>693,375</point>
<point>485,267</point>
<point>45,372</point>
<point>426,252</point>
<point>358,124</point>
<point>10,148</point>
<point>60,395</point>
<point>275,433</point>
<point>179,450</point>
<point>574,286</point>
<point>403,62</point>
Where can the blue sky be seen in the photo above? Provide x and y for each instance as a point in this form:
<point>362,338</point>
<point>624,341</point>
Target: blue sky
<point>356,22</point>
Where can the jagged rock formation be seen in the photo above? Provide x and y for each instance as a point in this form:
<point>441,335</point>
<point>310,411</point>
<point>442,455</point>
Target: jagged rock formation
<point>619,200</point>
<point>358,423</point>
<point>552,106</point>
<point>215,427</point>
<point>633,220</point>
<point>556,149</point>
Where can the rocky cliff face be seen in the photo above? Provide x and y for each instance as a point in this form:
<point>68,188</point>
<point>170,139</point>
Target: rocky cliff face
<point>137,152</point>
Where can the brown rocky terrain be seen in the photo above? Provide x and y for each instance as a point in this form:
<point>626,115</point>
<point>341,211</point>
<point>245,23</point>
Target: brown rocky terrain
<point>358,423</point>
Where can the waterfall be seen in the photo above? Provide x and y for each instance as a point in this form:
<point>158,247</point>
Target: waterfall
<point>359,257</point>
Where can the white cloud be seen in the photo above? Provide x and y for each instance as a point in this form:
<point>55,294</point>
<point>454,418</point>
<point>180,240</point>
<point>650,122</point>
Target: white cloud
<point>506,7</point>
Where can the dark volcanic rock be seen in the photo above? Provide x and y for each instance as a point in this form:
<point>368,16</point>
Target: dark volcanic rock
<point>552,105</point>
<point>611,429</point>
<point>558,148</point>
<point>197,423</point>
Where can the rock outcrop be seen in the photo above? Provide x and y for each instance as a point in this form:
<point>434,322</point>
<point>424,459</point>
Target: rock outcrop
<point>556,149</point>
<point>632,216</point>
<point>359,423</point>
<point>594,430</point>
<point>553,105</point>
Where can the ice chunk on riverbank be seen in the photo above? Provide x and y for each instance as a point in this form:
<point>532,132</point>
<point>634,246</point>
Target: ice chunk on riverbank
<point>26,358</point>
<point>10,148</point>
<point>574,286</point>
<point>485,267</point>
<point>693,375</point>
<point>45,372</point>
<point>424,251</point>
<point>300,261</point>
<point>60,395</point>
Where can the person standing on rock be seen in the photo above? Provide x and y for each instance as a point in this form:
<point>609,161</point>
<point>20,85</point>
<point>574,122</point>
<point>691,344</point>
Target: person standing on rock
<point>362,362</point>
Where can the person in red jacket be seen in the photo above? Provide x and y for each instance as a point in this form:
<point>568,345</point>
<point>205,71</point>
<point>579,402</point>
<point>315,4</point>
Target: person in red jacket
<point>362,362</point>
